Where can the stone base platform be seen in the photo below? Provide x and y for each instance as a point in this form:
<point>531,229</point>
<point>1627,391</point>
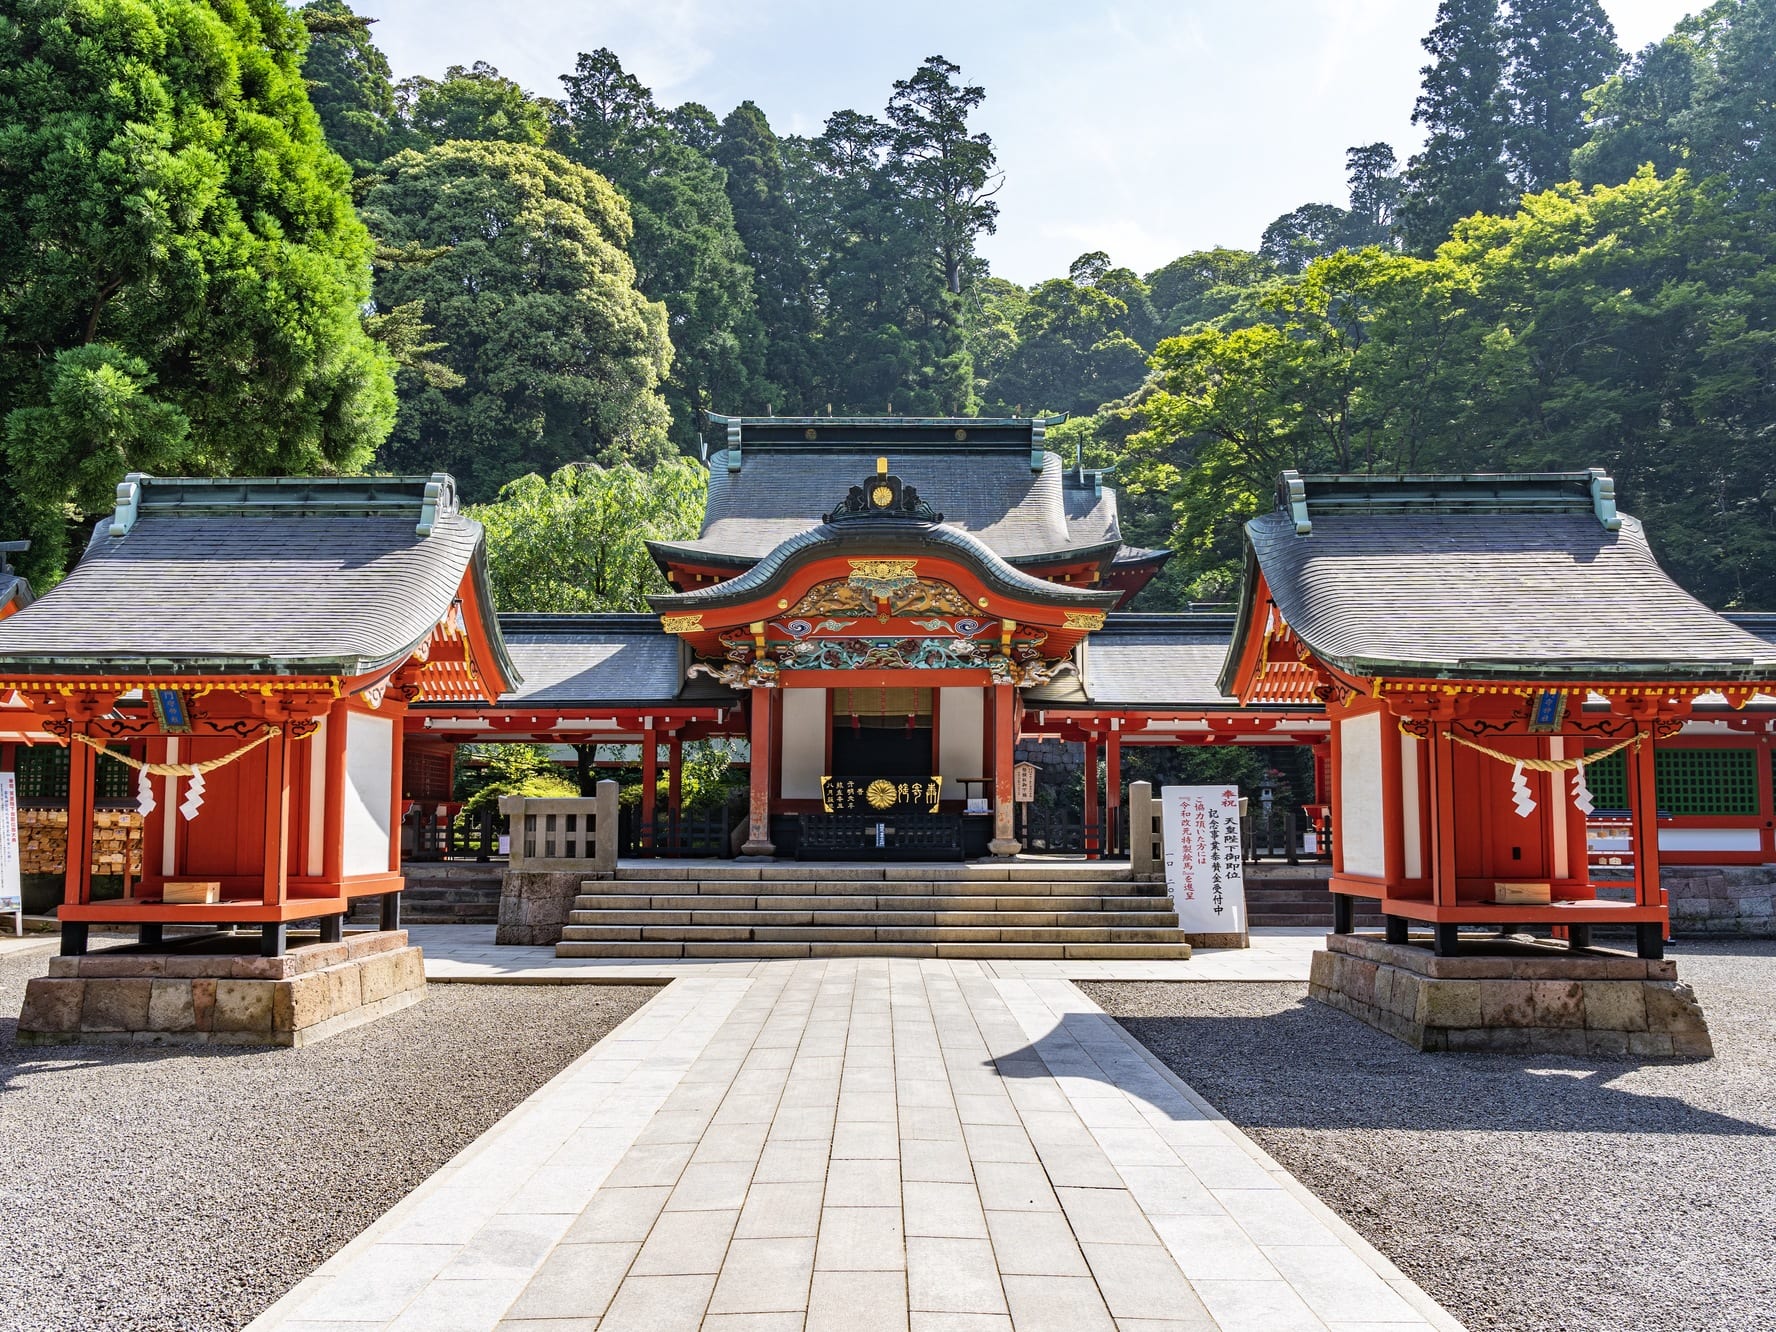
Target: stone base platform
<point>207,990</point>
<point>1518,996</point>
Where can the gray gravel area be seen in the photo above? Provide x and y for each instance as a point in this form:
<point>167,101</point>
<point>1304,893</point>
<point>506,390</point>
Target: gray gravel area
<point>1523,1192</point>
<point>150,1189</point>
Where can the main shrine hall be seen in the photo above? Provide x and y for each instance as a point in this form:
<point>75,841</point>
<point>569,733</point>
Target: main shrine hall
<point>884,611</point>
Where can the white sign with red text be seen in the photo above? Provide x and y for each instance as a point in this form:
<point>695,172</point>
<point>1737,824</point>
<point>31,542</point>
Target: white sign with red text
<point>1205,874</point>
<point>11,896</point>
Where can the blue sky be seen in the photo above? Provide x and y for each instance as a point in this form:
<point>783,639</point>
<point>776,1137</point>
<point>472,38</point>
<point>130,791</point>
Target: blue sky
<point>1145,129</point>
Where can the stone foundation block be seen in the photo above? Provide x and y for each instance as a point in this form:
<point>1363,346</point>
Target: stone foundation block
<point>534,904</point>
<point>188,996</point>
<point>1523,998</point>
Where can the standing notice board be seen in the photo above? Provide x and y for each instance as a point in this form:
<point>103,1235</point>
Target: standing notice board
<point>1205,873</point>
<point>11,895</point>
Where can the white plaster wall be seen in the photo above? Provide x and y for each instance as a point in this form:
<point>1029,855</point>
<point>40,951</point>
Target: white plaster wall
<point>1708,839</point>
<point>804,742</point>
<point>369,792</point>
<point>313,855</point>
<point>1412,862</point>
<point>961,736</point>
<point>1359,793</point>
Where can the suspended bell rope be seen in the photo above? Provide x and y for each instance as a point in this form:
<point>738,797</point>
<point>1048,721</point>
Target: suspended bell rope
<point>1520,793</point>
<point>145,803</point>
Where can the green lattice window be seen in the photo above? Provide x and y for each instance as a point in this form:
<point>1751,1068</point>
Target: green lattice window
<point>1692,782</point>
<point>42,773</point>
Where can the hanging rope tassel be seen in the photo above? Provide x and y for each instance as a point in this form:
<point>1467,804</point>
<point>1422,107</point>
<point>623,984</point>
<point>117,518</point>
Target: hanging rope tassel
<point>1582,791</point>
<point>145,803</point>
<point>1520,795</point>
<point>193,798</point>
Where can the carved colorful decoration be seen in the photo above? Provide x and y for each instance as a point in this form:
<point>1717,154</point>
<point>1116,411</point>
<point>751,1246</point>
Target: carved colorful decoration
<point>1083,619</point>
<point>681,624</point>
<point>866,587</point>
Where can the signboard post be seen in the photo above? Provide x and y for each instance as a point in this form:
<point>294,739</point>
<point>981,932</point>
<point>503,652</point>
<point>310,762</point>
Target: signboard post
<point>12,896</point>
<point>1205,871</point>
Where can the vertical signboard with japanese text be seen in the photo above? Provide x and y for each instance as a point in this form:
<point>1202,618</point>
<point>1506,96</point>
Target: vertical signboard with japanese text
<point>11,895</point>
<point>1205,874</point>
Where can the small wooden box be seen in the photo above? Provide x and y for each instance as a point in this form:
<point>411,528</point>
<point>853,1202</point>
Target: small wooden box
<point>1523,894</point>
<point>190,891</point>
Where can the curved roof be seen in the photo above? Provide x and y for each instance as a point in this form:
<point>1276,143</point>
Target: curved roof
<point>275,576</point>
<point>878,537</point>
<point>1484,577</point>
<point>994,495</point>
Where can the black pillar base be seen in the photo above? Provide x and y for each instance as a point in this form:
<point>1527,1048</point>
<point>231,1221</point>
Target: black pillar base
<point>150,932</point>
<point>73,938</point>
<point>271,940</point>
<point>1446,941</point>
<point>1396,927</point>
<point>1578,937</point>
<point>391,911</point>
<point>1343,913</point>
<point>1649,940</point>
<point>332,929</point>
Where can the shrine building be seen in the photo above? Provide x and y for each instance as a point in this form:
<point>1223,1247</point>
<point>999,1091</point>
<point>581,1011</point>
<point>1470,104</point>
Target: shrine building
<point>1515,715</point>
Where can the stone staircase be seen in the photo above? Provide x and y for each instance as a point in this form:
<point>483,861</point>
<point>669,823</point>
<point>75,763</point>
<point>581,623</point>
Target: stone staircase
<point>1297,895</point>
<point>714,909</point>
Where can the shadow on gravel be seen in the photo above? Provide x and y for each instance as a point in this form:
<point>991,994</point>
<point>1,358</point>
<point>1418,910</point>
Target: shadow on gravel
<point>19,1064</point>
<point>1397,1087</point>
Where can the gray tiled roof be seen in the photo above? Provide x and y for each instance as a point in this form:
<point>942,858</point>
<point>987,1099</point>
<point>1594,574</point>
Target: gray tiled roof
<point>274,576</point>
<point>991,494</point>
<point>1148,661</point>
<point>605,659</point>
<point>1398,590</point>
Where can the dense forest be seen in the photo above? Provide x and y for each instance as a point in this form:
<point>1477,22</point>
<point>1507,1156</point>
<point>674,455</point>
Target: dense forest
<point>231,239</point>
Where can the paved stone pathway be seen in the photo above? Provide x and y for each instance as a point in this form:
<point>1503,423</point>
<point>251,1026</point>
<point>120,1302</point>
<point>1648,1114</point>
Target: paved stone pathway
<point>468,953</point>
<point>923,1146</point>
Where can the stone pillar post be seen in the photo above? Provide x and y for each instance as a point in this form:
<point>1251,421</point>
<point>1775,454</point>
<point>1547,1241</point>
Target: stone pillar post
<point>1005,705</point>
<point>763,703</point>
<point>1142,861</point>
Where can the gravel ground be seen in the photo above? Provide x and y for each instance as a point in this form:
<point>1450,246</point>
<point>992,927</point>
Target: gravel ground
<point>150,1189</point>
<point>1523,1192</point>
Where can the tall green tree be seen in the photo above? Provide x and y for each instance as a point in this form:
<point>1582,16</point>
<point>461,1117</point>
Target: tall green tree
<point>1701,99</point>
<point>533,297</point>
<point>349,83</point>
<point>949,171</point>
<point>1461,168</point>
<point>1555,50</point>
<point>1202,285</point>
<point>891,332</point>
<point>578,541</point>
<point>1371,169</point>
<point>470,102</point>
<point>181,271</point>
<point>757,179</point>
<point>687,252</point>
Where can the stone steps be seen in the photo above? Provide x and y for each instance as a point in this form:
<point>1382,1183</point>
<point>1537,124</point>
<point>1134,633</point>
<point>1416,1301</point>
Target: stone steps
<point>876,948</point>
<point>926,887</point>
<point>940,919</point>
<point>1044,911</point>
<point>861,902</point>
